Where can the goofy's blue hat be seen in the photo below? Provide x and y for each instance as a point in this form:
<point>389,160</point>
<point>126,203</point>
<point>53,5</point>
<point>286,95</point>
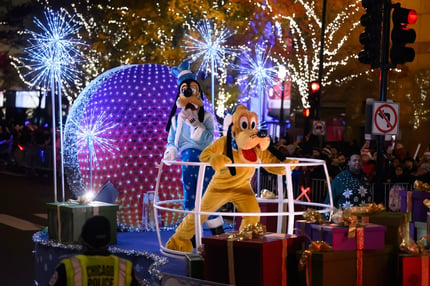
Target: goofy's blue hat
<point>182,72</point>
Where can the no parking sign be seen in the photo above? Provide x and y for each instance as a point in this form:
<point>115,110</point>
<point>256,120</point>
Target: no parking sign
<point>385,118</point>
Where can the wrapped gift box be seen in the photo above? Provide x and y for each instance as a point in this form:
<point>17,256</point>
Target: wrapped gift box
<point>421,231</point>
<point>304,228</point>
<point>415,200</point>
<point>394,221</point>
<point>339,268</point>
<point>270,222</point>
<point>415,270</point>
<point>259,261</point>
<point>337,236</point>
<point>194,265</point>
<point>65,220</point>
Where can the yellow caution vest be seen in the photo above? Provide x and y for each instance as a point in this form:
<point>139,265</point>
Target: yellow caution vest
<point>97,270</point>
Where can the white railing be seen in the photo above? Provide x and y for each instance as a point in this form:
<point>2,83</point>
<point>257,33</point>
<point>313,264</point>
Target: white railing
<point>289,200</point>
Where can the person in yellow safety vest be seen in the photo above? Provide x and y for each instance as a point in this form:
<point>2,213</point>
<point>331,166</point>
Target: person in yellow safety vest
<point>96,266</point>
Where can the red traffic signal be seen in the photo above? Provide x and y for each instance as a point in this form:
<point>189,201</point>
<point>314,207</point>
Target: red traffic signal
<point>306,112</point>
<point>404,16</point>
<point>402,35</point>
<point>315,86</point>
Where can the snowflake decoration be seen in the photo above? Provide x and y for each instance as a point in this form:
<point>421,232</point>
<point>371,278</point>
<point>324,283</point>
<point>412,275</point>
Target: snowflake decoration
<point>347,193</point>
<point>362,191</point>
<point>346,205</point>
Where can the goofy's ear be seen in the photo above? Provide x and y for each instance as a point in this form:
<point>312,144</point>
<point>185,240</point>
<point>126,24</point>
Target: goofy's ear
<point>229,150</point>
<point>172,113</point>
<point>201,114</point>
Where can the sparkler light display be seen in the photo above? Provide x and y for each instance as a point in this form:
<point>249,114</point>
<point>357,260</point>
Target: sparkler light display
<point>211,47</point>
<point>52,55</point>
<point>92,134</point>
<point>258,75</point>
<point>53,51</point>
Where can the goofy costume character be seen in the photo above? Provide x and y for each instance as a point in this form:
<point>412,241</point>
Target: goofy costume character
<point>190,131</point>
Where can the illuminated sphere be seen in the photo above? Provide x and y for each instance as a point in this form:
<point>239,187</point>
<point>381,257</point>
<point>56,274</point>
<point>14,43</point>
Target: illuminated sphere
<point>127,108</point>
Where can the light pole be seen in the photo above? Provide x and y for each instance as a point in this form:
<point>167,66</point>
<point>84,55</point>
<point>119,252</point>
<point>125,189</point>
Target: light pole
<point>282,73</point>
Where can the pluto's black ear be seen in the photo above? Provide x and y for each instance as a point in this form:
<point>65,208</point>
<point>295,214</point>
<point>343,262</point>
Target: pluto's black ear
<point>230,150</point>
<point>272,149</point>
<point>172,113</point>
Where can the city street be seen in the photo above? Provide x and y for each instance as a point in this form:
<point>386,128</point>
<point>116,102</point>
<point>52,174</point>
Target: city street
<point>22,213</point>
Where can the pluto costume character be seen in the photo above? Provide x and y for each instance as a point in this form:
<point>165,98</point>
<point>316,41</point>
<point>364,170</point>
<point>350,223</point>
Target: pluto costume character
<point>243,144</point>
<point>190,132</point>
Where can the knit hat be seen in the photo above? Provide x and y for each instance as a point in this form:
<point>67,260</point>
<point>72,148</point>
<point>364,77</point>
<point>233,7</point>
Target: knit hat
<point>96,232</point>
<point>291,148</point>
<point>182,72</point>
<point>426,167</point>
<point>427,153</point>
<point>327,151</point>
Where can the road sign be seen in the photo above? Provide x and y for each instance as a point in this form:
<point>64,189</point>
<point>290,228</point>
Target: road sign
<point>318,128</point>
<point>385,118</point>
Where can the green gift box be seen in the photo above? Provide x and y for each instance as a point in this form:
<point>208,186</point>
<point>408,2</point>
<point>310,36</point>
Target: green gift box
<point>194,265</point>
<point>65,220</point>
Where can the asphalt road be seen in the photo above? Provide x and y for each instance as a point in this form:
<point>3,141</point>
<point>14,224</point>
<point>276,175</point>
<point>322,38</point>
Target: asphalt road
<point>23,199</point>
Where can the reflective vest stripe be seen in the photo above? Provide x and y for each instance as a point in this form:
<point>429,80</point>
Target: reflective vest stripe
<point>77,269</point>
<point>122,272</point>
<point>77,274</point>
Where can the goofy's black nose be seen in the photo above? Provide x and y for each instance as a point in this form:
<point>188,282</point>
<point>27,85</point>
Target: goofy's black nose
<point>262,133</point>
<point>188,92</point>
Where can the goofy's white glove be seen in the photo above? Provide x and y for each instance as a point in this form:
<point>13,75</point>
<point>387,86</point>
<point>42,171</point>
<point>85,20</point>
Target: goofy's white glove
<point>170,154</point>
<point>191,118</point>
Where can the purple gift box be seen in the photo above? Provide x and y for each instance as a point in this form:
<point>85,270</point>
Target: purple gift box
<point>337,236</point>
<point>303,227</point>
<point>418,209</point>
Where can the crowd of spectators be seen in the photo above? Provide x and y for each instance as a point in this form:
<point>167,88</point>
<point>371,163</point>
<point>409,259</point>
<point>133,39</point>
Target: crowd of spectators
<point>29,146</point>
<point>25,146</point>
<point>398,164</point>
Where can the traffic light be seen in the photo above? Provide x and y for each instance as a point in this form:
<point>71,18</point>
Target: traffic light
<point>306,112</point>
<point>371,37</point>
<point>314,98</point>
<point>402,35</point>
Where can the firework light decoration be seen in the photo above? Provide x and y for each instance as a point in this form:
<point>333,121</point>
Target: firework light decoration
<point>211,47</point>
<point>51,57</point>
<point>257,73</point>
<point>52,51</point>
<point>91,134</point>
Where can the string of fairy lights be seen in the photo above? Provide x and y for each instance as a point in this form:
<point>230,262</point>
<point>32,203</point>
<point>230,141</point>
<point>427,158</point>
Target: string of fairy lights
<point>125,25</point>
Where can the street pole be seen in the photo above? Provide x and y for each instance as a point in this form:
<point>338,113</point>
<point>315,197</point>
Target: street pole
<point>383,88</point>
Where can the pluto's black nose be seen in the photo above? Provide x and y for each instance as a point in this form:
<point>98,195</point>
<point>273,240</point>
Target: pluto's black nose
<point>262,133</point>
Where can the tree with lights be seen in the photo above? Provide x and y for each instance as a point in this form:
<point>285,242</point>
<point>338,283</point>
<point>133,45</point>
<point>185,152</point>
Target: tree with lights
<point>139,33</point>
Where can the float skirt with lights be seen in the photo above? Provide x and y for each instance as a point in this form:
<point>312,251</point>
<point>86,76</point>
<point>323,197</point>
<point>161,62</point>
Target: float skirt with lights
<point>135,246</point>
